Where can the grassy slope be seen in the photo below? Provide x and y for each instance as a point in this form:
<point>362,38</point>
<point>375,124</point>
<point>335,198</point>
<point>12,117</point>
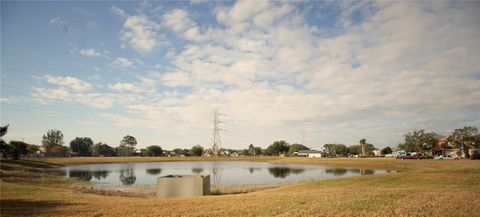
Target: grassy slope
<point>424,188</point>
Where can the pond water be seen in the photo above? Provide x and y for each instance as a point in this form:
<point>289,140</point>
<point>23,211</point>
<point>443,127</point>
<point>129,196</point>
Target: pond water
<point>222,173</point>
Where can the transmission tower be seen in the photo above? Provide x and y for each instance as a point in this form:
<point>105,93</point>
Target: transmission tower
<point>217,142</point>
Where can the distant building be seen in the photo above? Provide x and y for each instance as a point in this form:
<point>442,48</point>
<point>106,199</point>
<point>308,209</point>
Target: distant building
<point>310,153</point>
<point>399,153</point>
<point>377,153</point>
<point>444,148</point>
<point>140,152</point>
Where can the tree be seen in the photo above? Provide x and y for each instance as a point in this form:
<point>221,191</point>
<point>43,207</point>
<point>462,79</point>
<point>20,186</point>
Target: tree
<point>179,152</point>
<point>52,139</point>
<point>386,150</point>
<point>296,147</point>
<point>278,147</point>
<point>59,151</point>
<point>363,145</point>
<point>102,149</point>
<point>4,147</point>
<point>154,150</point>
<point>419,141</point>
<point>465,138</point>
<point>354,149</point>
<point>128,143</point>
<point>335,150</point>
<point>32,149</point>
<point>18,148</point>
<point>258,151</point>
<point>82,146</point>
<point>251,150</point>
<point>197,150</point>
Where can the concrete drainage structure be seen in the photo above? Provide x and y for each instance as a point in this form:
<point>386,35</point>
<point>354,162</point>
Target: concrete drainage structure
<point>183,185</point>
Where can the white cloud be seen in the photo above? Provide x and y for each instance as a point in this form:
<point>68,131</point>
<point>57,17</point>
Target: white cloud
<point>126,87</point>
<point>147,82</point>
<point>140,33</point>
<point>51,94</point>
<point>69,82</point>
<point>90,52</point>
<point>402,66</point>
<point>7,100</point>
<point>117,11</point>
<point>124,63</point>
<point>62,94</point>
<point>92,25</point>
<point>57,20</point>
<point>178,20</point>
<point>176,79</point>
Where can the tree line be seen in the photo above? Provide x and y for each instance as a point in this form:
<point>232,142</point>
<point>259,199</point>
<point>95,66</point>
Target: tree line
<point>420,141</point>
<point>465,139</point>
<point>53,146</point>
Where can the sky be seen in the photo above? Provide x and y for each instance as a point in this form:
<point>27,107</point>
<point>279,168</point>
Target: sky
<point>308,72</point>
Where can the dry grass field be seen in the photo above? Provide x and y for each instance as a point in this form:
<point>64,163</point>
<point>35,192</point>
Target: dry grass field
<point>422,188</point>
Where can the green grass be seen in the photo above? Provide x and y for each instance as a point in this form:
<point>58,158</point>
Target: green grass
<point>423,188</point>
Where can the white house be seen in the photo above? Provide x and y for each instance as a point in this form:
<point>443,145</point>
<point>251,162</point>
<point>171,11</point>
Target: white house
<point>377,153</point>
<point>310,153</point>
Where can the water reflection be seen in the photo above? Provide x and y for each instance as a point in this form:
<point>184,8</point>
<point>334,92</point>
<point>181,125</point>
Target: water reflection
<point>101,174</point>
<point>282,172</point>
<point>222,174</point>
<point>367,172</point>
<point>252,169</point>
<point>343,171</point>
<point>154,172</point>
<point>197,170</point>
<point>83,175</point>
<point>216,177</point>
<point>127,176</point>
<point>336,171</point>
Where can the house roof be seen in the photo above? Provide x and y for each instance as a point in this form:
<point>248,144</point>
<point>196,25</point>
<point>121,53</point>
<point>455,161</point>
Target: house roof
<point>309,152</point>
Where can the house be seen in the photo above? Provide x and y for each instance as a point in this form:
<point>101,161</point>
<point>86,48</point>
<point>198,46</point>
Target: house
<point>310,153</point>
<point>399,153</point>
<point>444,148</point>
<point>377,153</point>
<point>140,152</point>
<point>234,154</point>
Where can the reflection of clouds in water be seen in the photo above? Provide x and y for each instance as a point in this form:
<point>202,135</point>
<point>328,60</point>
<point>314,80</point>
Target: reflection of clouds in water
<point>282,172</point>
<point>127,176</point>
<point>154,171</point>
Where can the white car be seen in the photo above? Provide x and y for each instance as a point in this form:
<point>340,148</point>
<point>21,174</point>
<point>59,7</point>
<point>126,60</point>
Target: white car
<point>445,157</point>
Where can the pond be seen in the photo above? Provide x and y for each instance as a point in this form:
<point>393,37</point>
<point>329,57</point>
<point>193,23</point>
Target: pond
<point>222,173</point>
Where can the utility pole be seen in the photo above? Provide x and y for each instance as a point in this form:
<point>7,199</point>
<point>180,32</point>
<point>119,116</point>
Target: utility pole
<point>216,133</point>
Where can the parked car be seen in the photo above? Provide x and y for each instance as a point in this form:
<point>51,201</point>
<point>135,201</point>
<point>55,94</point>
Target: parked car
<point>475,156</point>
<point>445,157</point>
<point>409,157</point>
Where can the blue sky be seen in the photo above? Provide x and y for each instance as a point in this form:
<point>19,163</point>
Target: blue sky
<point>334,72</point>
